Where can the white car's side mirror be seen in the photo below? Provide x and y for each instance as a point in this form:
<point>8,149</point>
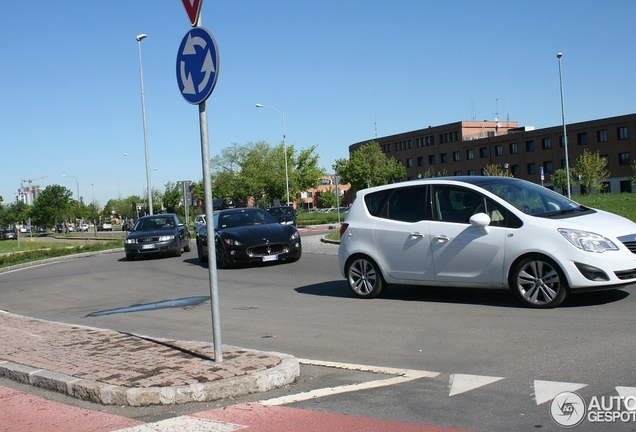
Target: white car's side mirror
<point>481,220</point>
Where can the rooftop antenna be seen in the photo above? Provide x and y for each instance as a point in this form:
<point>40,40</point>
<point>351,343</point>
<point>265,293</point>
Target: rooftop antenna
<point>472,105</point>
<point>506,87</point>
<point>375,124</point>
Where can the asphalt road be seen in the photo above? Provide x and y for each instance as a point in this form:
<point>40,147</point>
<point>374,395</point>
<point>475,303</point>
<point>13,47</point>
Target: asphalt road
<point>494,362</point>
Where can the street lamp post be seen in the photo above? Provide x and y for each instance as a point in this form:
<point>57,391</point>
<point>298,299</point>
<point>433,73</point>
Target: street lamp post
<point>284,147</point>
<point>77,184</point>
<point>143,112</point>
<point>565,135</point>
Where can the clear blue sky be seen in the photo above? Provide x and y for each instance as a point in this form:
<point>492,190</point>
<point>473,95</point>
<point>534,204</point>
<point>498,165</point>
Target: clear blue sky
<point>70,99</point>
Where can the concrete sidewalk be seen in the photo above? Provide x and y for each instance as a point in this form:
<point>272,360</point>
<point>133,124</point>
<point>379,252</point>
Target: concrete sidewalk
<point>110,367</point>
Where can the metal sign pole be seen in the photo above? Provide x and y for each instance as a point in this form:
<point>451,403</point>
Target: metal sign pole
<point>207,186</point>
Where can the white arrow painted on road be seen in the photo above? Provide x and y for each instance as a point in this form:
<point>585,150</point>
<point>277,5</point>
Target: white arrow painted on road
<point>546,390</point>
<point>625,392</point>
<point>461,383</point>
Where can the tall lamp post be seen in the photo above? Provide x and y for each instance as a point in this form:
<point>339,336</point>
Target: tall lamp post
<point>77,184</point>
<point>565,135</point>
<point>143,112</point>
<point>284,147</point>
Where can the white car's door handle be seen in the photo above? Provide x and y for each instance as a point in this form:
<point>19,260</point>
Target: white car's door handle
<point>441,238</point>
<point>416,234</point>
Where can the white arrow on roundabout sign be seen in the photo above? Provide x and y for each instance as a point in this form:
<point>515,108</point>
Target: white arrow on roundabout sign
<point>197,65</point>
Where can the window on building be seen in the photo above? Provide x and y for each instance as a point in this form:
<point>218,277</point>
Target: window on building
<point>606,157</point>
<point>470,154</point>
<point>623,159</point>
<point>547,167</point>
<point>483,152</point>
<point>456,156</point>
<point>514,149</point>
<point>546,143</point>
<point>532,168</point>
<point>458,173</point>
<point>429,140</point>
<point>443,158</point>
<point>420,161</point>
<point>530,146</point>
<point>621,133</point>
<point>601,135</point>
<point>515,170</point>
<point>409,162</point>
<point>499,150</point>
<point>561,141</point>
<point>310,194</point>
<point>581,138</point>
<point>471,172</point>
<point>431,159</point>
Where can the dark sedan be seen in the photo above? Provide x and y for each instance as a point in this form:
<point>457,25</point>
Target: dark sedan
<point>9,234</point>
<point>249,235</point>
<point>157,234</point>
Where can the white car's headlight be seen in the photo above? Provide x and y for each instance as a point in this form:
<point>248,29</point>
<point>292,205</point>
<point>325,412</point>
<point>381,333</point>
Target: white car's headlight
<point>588,241</point>
<point>166,237</point>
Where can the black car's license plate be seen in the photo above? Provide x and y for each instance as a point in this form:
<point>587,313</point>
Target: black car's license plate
<point>269,258</point>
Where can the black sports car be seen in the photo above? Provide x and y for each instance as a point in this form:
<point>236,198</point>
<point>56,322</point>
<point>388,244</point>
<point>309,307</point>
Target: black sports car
<point>245,235</point>
<point>157,234</point>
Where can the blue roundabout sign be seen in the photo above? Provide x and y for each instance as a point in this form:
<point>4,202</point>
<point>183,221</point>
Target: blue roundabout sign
<point>197,65</point>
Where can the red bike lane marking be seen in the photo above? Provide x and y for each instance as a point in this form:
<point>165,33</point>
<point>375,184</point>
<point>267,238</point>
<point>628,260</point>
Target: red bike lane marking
<point>261,418</point>
<point>22,412</point>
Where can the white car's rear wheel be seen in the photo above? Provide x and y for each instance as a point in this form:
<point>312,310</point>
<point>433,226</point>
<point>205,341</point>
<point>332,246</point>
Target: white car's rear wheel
<point>364,277</point>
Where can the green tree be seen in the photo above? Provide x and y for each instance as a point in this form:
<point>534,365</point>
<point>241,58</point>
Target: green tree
<point>559,179</point>
<point>51,205</point>
<point>172,197</point>
<point>496,170</point>
<point>368,166</point>
<point>591,172</point>
<point>257,171</point>
<point>328,199</point>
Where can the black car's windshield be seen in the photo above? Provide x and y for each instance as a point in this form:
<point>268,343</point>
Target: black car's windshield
<point>155,223</point>
<point>533,199</point>
<point>233,219</point>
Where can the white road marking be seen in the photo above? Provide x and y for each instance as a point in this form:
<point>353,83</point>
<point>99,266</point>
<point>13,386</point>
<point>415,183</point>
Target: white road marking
<point>185,423</point>
<point>400,376</point>
<point>461,383</point>
<point>546,390</point>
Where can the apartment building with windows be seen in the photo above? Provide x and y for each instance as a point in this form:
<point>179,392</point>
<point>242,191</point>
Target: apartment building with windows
<point>466,147</point>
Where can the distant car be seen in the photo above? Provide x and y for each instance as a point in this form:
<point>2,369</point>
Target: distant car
<point>249,235</point>
<point>61,228</point>
<point>9,234</point>
<point>82,227</point>
<point>105,226</point>
<point>284,214</point>
<point>157,234</point>
<point>480,231</point>
<point>198,221</point>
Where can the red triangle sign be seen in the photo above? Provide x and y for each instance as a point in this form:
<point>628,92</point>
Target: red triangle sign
<point>193,8</point>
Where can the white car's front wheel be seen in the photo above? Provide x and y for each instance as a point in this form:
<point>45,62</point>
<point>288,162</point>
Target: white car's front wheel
<point>539,282</point>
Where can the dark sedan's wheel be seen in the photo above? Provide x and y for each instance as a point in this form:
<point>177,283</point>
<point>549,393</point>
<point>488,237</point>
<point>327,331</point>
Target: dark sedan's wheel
<point>364,277</point>
<point>222,261</point>
<point>539,282</point>
<point>202,256</point>
<point>177,252</point>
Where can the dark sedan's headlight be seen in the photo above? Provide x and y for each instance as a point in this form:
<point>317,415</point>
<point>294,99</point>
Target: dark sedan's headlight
<point>294,236</point>
<point>130,241</point>
<point>166,237</point>
<point>232,242</point>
